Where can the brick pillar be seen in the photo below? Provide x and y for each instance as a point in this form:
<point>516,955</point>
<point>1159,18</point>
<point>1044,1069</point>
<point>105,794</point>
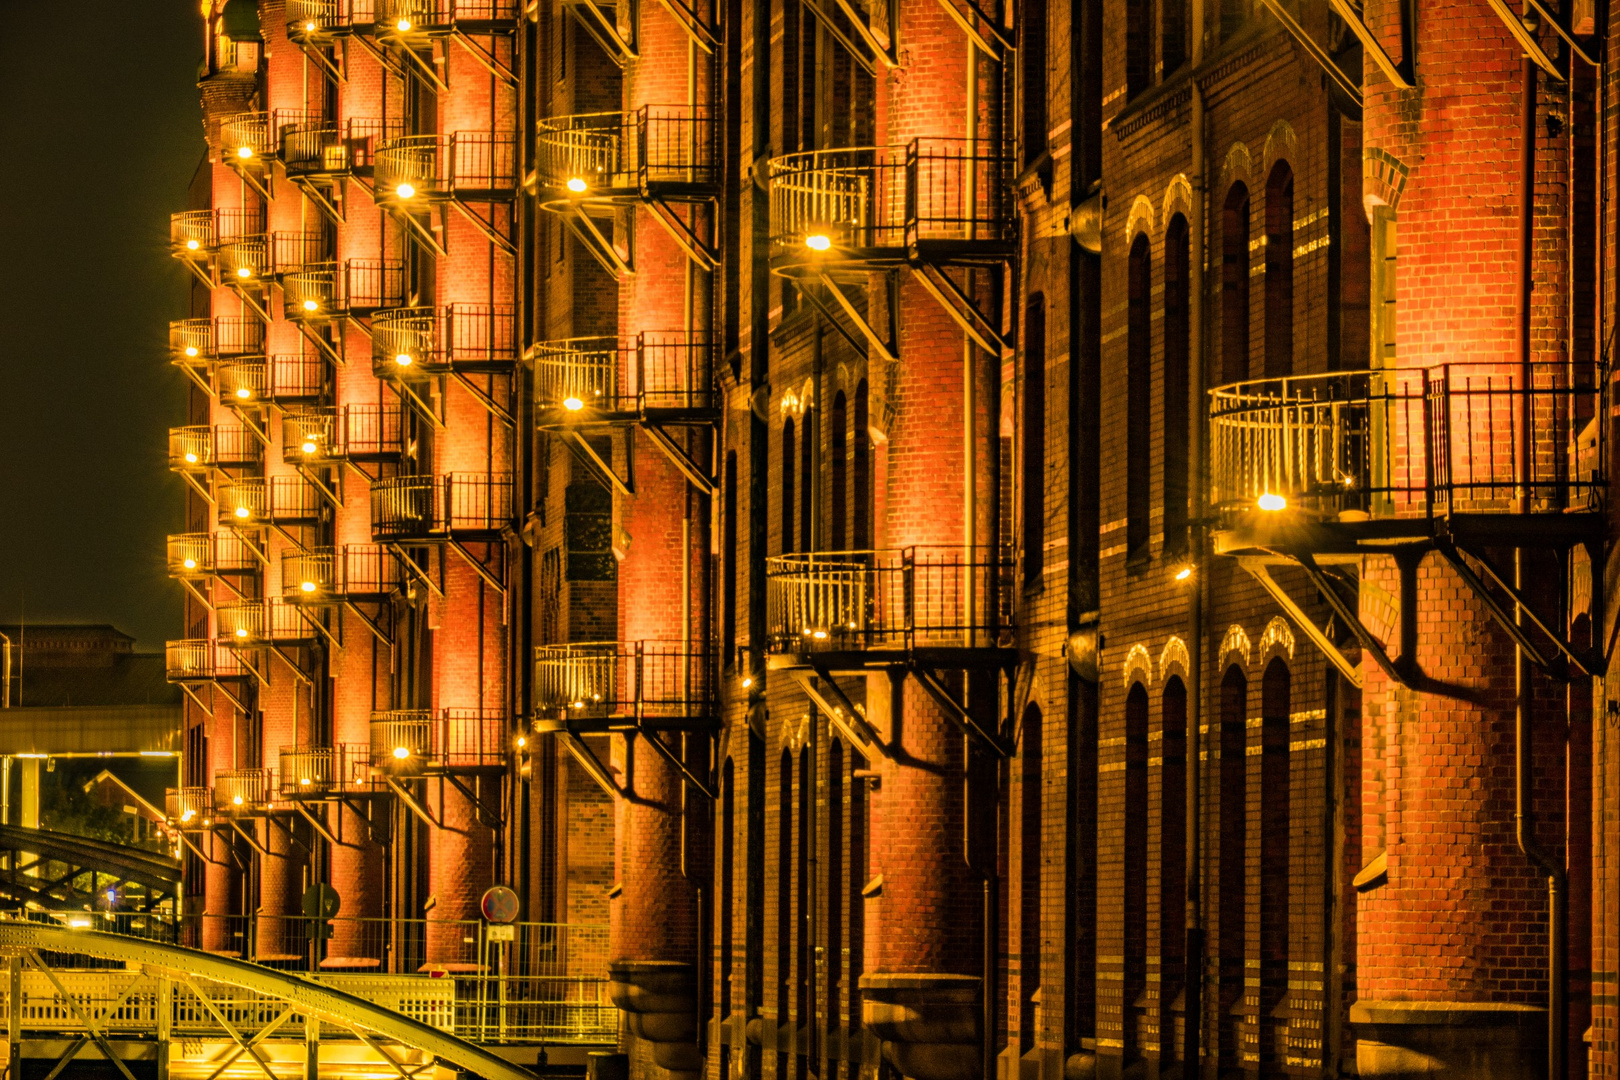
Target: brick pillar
<point>222,883</point>
<point>281,873</point>
<point>1452,950</point>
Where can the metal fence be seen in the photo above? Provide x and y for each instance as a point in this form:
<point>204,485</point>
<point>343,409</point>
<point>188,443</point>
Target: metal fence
<point>651,680</point>
<point>323,574</point>
<point>253,622</point>
<point>658,370</point>
<point>200,446</point>
<point>593,153</point>
<point>910,597</point>
<point>245,137</point>
<point>282,500</point>
<point>412,340</point>
<point>293,377</point>
<point>198,554</point>
<point>191,233</point>
<point>428,507</point>
<point>1403,442</point>
<point>314,771</point>
<point>408,741</point>
<point>472,163</point>
<point>200,340</point>
<point>441,15</point>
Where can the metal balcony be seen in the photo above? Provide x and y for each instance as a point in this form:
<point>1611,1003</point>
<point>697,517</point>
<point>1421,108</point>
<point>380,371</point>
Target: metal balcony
<point>197,448</point>
<point>311,144</point>
<point>657,377</point>
<point>1336,460</point>
<point>245,140</point>
<point>354,572</point>
<point>413,742</point>
<point>406,21</point>
<point>196,342</point>
<point>415,341</point>
<point>252,623</point>
<point>318,22</point>
<point>192,234</point>
<point>322,291</point>
<point>315,772</point>
<point>201,660</point>
<point>286,378</point>
<point>364,136</point>
<point>624,685</point>
<point>280,501</point>
<point>238,792</point>
<point>189,807</point>
<point>935,600</point>
<point>205,554</point>
<point>658,151</point>
<point>355,433</point>
<point>457,506</point>
<point>244,259</point>
<point>415,170</point>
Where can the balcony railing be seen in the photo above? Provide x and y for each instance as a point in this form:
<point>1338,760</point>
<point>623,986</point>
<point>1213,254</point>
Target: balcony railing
<point>245,138</point>
<point>201,660</point>
<point>364,136</point>
<point>407,508</point>
<point>242,791</point>
<point>317,22</point>
<point>284,379</point>
<point>196,341</point>
<point>414,169</point>
<point>657,149</point>
<point>188,807</point>
<point>405,19</point>
<point>280,500</point>
<point>407,342</point>
<point>203,554</point>
<point>313,435</point>
<point>245,258</point>
<point>1410,442</point>
<point>649,681</point>
<point>191,234</point>
<point>411,741</point>
<point>309,436</point>
<point>196,448</point>
<point>327,290</point>
<point>247,623</point>
<point>241,382</point>
<point>315,771</point>
<point>292,250</point>
<point>312,146</point>
<point>656,372</point>
<point>915,597</point>
<point>235,222</point>
<point>354,572</point>
<point>877,202</point>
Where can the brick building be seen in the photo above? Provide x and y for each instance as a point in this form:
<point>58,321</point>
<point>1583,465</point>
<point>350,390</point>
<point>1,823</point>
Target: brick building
<point>1025,540</point>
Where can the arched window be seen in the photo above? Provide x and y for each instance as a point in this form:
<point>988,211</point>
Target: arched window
<point>1274,849</point>
<point>837,449</point>
<point>728,891</point>
<point>1034,478</point>
<point>1029,884</point>
<point>1134,835</point>
<point>784,895</point>
<point>1177,349</point>
<point>1235,285</point>
<point>1280,272</point>
<point>862,467</point>
<point>807,488</point>
<point>1172,835</point>
<point>790,452</point>
<point>1232,906</point>
<point>1138,400</point>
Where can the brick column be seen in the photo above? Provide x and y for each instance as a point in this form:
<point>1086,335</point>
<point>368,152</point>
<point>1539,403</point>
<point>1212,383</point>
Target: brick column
<point>222,883</point>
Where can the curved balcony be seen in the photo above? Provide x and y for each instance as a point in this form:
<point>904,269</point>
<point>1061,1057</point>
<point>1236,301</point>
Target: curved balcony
<point>245,140</point>
<point>280,500</point>
<point>242,383</point>
<point>658,151</point>
<point>192,234</point>
<point>463,506</point>
<point>659,377</point>
<point>245,259</point>
<point>1338,458</point>
<point>189,807</point>
<point>199,447</point>
<point>415,170</point>
<point>313,772</point>
<point>407,22</point>
<point>909,599</point>
<point>195,342</point>
<point>318,22</point>
<point>411,742</point>
<point>243,791</point>
<point>325,576</point>
<point>617,685</point>
<point>363,136</point>
<point>352,433</point>
<point>310,145</point>
<point>201,660</point>
<point>309,436</point>
<point>204,554</point>
<point>251,623</point>
<point>286,378</point>
<point>415,341</point>
<point>323,291</point>
<point>876,206</point>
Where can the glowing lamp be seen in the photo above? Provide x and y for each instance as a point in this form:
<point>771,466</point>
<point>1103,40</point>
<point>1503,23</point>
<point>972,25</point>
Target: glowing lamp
<point>242,511</point>
<point>242,271</point>
<point>191,350</point>
<point>188,815</point>
<point>403,359</point>
<point>244,152</point>
<point>577,185</point>
<point>403,26</point>
<point>309,28</point>
<point>402,752</point>
<point>310,305</point>
<point>243,392</point>
<point>309,446</point>
<point>747,681</point>
<point>573,404</point>
<point>522,742</point>
<point>1271,502</point>
<point>236,800</point>
<point>405,191</point>
<point>820,635</point>
<point>241,631</point>
<point>191,564</point>
<point>191,459</point>
<point>78,924</point>
<point>308,586</point>
<point>1184,573</point>
<point>303,781</point>
<point>192,245</point>
<point>818,242</point>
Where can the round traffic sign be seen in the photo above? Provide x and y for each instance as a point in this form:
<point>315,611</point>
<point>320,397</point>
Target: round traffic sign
<point>321,901</point>
<point>499,904</point>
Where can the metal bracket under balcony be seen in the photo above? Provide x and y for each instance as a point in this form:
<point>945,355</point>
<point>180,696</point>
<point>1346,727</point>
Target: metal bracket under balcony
<point>464,170</point>
<point>410,25</point>
<point>622,686</point>
<point>455,744</point>
<point>455,509</point>
<point>601,22</point>
<point>865,46</point>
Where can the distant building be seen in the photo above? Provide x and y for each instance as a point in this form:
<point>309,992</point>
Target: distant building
<point>66,664</point>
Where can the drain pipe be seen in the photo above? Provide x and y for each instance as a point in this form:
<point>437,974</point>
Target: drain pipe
<point>1523,742</point>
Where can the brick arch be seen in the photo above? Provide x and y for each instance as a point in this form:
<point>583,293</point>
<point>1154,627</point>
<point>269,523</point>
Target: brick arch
<point>1383,179</point>
<point>1235,648</point>
<point>1177,200</point>
<point>1139,220</point>
<point>1236,167</point>
<point>1277,640</point>
<point>795,734</point>
<point>1138,666</point>
<point>1281,145</point>
<point>1174,660</point>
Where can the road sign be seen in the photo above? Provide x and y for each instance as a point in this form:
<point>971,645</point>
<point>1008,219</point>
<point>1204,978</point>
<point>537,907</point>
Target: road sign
<point>499,904</point>
<point>501,932</point>
<point>321,901</point>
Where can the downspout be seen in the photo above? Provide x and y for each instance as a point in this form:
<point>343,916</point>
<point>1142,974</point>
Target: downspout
<point>1523,743</point>
<point>1193,953</point>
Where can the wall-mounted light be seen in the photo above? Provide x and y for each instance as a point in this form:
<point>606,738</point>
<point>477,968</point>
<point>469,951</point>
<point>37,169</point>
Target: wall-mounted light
<point>1271,502</point>
<point>405,191</point>
<point>577,185</point>
<point>818,242</point>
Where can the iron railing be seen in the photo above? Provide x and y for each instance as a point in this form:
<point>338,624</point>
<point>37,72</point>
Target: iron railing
<point>907,598</point>
<point>280,500</point>
<point>313,771</point>
<point>1409,442</point>
<point>890,197</point>
<point>644,680</point>
<point>590,154</point>
<point>183,805</point>
<point>197,447</point>
<point>373,432</point>
<point>241,382</point>
<point>657,370</point>
<point>295,377</point>
<point>318,21</point>
<point>323,290</point>
<point>406,17</point>
<point>351,572</point>
<point>191,234</point>
<point>409,741</point>
<point>245,138</point>
<point>234,222</point>
<point>292,250</point>
<point>364,136</point>
<point>244,258</point>
<point>197,341</point>
<point>201,660</point>
<point>240,791</point>
<point>248,623</point>
<point>480,164</point>
<point>313,146</point>
<point>432,507</point>
<point>202,554</point>
<point>309,435</point>
<point>471,337</point>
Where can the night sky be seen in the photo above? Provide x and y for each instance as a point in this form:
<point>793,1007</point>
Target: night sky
<point>100,133</point>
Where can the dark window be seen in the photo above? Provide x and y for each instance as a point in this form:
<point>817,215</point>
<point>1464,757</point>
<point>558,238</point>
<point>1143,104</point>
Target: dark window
<point>1176,352</point>
<point>1235,285</point>
<point>1029,852</point>
<point>728,551</point>
<point>1080,879</point>
<point>1135,807</point>
<point>1172,836</point>
<point>837,448</point>
<point>1138,401</point>
<point>1280,272</point>
<point>1138,46</point>
<point>1232,905</point>
<point>1032,76</point>
<point>588,532</point>
<point>784,895</point>
<point>728,891</point>
<point>1034,479</point>
<point>1234,13</point>
<point>863,472</point>
<point>1274,862</point>
<point>1173,34</point>
<point>790,453</point>
<point>809,460</point>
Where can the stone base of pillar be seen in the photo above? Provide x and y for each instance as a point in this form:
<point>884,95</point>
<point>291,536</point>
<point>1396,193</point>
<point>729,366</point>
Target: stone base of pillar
<point>930,1024</point>
<point>1444,1040</point>
<point>659,1000</point>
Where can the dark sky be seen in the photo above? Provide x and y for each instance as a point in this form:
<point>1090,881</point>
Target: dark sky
<point>100,133</point>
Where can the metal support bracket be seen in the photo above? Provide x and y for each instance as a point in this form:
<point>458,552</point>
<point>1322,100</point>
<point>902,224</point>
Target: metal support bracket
<point>425,71</point>
<point>197,486</point>
<point>487,228</point>
<point>197,594</point>
<point>604,30</point>
<point>325,62</point>
<point>958,713</point>
<point>841,713</point>
<point>1261,572</point>
<point>489,815</point>
<point>92,1029</point>
<point>674,759</point>
<point>1398,74</point>
<point>686,238</point>
<point>333,497</point>
<point>415,570</point>
<point>585,230</point>
<point>703,36</point>
<point>999,48</point>
<point>316,823</point>
<point>1317,53</point>
<point>328,207</point>
<point>207,280</point>
<point>582,448</point>
<point>1589,663</point>
<point>219,1018</point>
<point>478,566</point>
<point>491,406</point>
<point>324,347</point>
<point>869,53</point>
<point>1525,39</point>
<point>879,345</point>
<point>422,234</point>
<point>487,58</point>
<point>253,841</point>
<point>321,628</point>
<point>581,752</point>
<point>263,185</point>
<point>1401,672</point>
<point>678,457</point>
<point>962,310</point>
<point>411,802</point>
<point>369,623</point>
<point>298,672</point>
